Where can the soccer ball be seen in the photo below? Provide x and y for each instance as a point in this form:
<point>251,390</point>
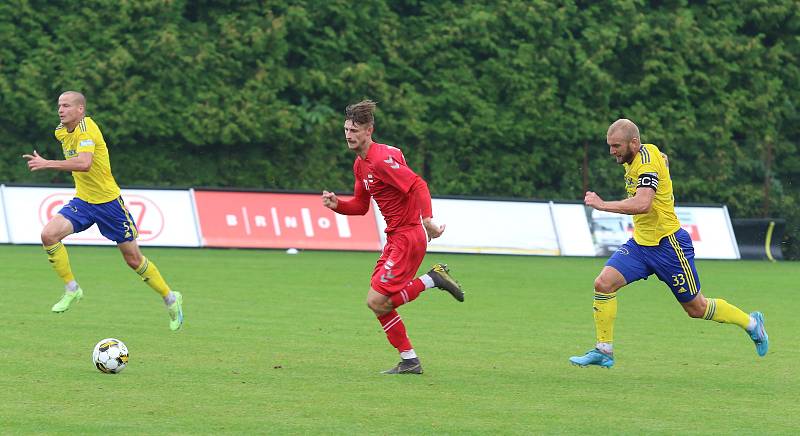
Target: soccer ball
<point>110,356</point>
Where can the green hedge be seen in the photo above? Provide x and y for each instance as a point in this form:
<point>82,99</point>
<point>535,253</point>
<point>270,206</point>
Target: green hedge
<point>504,98</point>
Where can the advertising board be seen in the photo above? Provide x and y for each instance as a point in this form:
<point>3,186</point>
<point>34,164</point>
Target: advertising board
<point>164,218</point>
<point>280,220</point>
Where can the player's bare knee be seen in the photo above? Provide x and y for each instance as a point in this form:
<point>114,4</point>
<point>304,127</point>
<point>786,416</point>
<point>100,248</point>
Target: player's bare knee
<point>133,260</point>
<point>694,311</point>
<point>379,307</point>
<point>603,286</point>
<point>50,237</point>
<point>47,239</point>
<point>379,310</point>
<point>371,304</point>
<point>696,308</point>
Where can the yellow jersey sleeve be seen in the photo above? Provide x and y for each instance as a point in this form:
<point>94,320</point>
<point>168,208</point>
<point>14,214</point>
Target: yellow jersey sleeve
<point>85,143</point>
<point>649,170</point>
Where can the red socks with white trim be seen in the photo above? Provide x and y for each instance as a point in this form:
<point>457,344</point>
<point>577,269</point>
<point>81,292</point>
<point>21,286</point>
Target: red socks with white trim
<point>395,331</point>
<point>409,293</point>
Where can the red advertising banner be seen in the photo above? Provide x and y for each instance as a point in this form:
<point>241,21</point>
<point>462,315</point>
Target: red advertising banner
<point>272,220</point>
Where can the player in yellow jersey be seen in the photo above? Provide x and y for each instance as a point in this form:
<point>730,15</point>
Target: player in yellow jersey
<point>97,201</point>
<point>659,246</point>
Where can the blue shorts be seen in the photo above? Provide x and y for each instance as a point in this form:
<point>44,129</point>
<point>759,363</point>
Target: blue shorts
<point>112,218</point>
<point>672,260</point>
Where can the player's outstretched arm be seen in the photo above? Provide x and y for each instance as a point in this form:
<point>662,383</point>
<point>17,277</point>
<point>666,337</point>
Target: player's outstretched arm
<point>638,204</point>
<point>358,205</point>
<point>82,162</point>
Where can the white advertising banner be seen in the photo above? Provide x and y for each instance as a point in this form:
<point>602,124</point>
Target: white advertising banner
<point>3,226</point>
<point>709,227</point>
<point>711,230</point>
<point>572,228</point>
<point>164,218</point>
<point>495,227</point>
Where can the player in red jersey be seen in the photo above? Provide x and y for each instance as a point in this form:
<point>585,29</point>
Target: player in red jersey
<point>381,172</point>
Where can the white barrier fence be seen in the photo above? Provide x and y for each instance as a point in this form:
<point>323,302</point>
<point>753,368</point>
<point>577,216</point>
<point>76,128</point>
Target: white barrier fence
<point>573,230</point>
<point>164,218</point>
<point>508,227</point>
<point>4,236</point>
<point>169,218</point>
<point>482,226</point>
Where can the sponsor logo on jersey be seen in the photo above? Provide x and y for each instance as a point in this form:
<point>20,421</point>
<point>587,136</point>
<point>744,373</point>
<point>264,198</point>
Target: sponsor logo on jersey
<point>392,164</point>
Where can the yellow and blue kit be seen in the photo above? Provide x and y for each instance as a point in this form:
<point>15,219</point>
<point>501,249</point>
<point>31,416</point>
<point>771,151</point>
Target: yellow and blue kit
<point>97,195</point>
<point>659,245</point>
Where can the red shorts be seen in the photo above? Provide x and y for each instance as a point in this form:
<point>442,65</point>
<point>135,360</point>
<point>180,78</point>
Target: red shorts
<point>400,260</point>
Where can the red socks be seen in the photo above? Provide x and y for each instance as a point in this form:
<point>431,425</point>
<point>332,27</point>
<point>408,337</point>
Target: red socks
<point>395,331</point>
<point>392,323</point>
<point>408,294</point>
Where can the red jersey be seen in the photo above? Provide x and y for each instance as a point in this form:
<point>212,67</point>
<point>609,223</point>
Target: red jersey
<point>386,177</point>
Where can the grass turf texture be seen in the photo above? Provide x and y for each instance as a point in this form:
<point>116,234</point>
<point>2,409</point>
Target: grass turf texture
<point>281,344</point>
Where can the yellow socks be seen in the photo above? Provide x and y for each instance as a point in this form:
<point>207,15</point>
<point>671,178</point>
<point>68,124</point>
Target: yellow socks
<point>605,312</point>
<point>59,259</point>
<point>720,310</point>
<point>152,277</point>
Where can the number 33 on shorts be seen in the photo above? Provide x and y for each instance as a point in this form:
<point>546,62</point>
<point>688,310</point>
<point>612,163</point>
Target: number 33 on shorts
<point>680,280</point>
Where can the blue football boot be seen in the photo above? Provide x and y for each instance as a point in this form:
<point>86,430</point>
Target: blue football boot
<point>593,357</point>
<point>759,334</point>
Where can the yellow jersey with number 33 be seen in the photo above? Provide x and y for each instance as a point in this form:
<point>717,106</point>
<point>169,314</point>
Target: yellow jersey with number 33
<point>649,170</point>
<point>96,185</point>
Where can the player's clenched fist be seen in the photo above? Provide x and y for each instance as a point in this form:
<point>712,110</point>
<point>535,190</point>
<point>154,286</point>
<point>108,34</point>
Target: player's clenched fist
<point>432,229</point>
<point>591,199</point>
<point>329,200</point>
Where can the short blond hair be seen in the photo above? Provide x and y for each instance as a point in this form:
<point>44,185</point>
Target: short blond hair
<point>77,97</point>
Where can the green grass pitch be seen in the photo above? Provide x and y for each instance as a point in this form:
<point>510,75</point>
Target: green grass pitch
<point>283,344</point>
